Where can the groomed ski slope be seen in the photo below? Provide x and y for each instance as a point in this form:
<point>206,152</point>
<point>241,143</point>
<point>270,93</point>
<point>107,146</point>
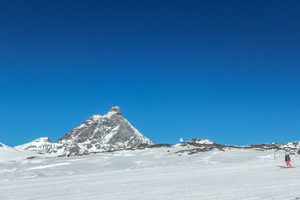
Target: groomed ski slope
<point>153,174</point>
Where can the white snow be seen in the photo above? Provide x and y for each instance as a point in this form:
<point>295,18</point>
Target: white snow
<point>81,126</point>
<point>204,141</point>
<point>157,173</point>
<point>109,114</point>
<point>96,117</point>
<point>10,153</point>
<point>48,166</point>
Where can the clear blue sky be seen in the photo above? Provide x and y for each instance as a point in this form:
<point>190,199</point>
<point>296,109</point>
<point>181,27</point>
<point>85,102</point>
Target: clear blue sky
<point>228,71</point>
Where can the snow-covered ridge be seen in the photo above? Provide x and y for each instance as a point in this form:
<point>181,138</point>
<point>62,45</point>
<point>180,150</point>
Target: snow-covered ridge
<point>291,145</point>
<point>40,145</point>
<point>273,145</point>
<point>200,141</point>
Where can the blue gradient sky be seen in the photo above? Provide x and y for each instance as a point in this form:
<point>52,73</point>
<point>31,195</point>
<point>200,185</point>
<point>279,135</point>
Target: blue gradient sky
<point>222,70</point>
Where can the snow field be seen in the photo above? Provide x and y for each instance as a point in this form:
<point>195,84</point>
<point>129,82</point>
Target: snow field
<point>152,174</point>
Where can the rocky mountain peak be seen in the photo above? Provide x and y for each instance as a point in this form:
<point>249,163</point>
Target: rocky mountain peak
<point>116,109</point>
<point>101,133</point>
<point>114,112</point>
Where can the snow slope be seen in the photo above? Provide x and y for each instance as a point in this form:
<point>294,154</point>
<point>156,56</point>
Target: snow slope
<point>156,173</point>
<point>10,153</point>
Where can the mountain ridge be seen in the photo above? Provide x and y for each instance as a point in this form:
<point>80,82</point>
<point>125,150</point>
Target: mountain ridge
<point>111,132</point>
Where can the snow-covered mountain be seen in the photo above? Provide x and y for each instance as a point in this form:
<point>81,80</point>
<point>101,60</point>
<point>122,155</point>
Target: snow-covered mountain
<point>40,145</point>
<point>97,134</point>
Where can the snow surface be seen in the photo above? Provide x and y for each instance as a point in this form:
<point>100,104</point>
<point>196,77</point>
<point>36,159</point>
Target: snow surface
<point>157,173</point>
<point>9,153</point>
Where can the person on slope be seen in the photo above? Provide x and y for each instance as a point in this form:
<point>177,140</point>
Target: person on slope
<point>287,159</point>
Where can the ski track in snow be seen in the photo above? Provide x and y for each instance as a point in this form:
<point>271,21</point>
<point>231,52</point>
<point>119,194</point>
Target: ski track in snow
<point>152,174</point>
<point>48,166</point>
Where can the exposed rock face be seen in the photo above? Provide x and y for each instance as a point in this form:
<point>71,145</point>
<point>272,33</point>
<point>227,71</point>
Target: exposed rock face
<point>99,134</point>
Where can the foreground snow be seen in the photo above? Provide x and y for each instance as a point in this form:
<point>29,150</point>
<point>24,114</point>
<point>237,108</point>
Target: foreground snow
<point>152,174</point>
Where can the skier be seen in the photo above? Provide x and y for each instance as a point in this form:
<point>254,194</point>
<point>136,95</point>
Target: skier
<point>287,159</point>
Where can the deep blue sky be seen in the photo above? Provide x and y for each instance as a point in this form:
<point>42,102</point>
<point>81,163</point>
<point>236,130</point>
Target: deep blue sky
<point>228,71</point>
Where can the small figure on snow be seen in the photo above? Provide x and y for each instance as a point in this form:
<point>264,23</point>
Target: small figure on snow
<point>287,159</point>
